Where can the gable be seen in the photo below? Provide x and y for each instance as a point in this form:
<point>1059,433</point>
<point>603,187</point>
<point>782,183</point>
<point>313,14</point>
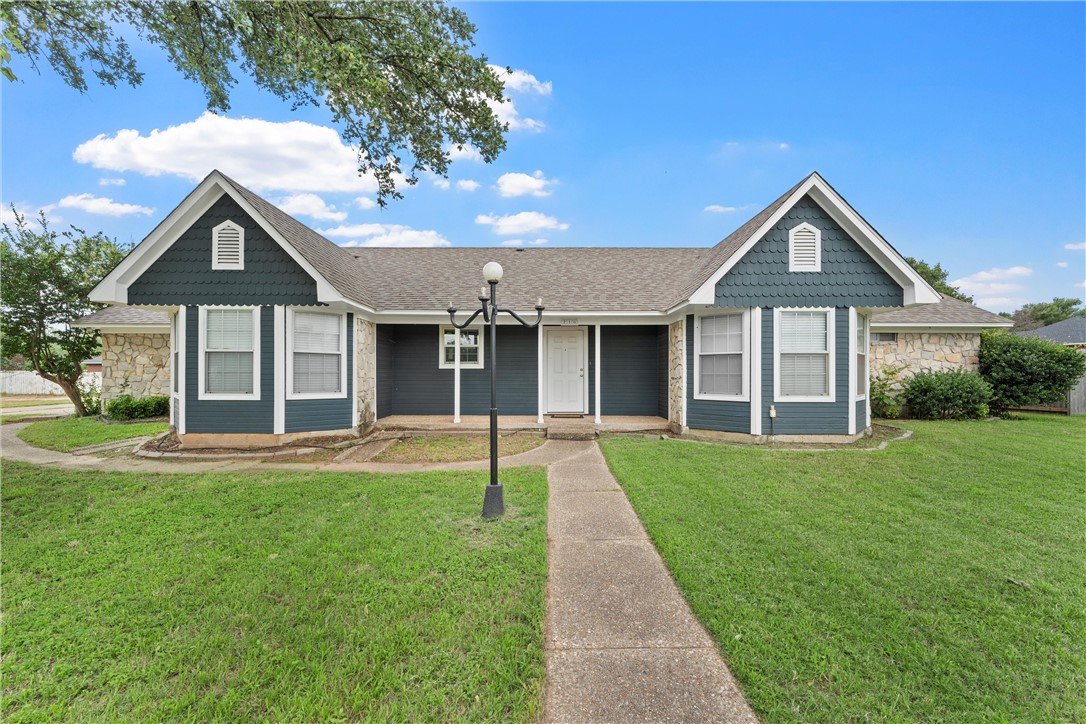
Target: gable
<point>183,274</point>
<point>848,275</point>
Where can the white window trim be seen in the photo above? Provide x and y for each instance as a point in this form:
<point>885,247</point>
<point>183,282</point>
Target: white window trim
<point>743,396</point>
<point>862,322</point>
<point>442,364</point>
<point>831,323</point>
<point>791,248</point>
<point>291,394</point>
<point>201,360</point>
<point>215,247</point>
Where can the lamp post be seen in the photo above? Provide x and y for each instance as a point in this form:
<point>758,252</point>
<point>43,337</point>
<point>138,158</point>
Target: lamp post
<point>493,502</point>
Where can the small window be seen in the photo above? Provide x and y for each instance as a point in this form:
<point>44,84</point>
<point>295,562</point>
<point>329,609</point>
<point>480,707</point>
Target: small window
<point>861,356</point>
<point>884,336</point>
<point>175,337</point>
<point>805,249</point>
<point>470,343</point>
<point>318,353</point>
<point>228,246</point>
<point>804,352</point>
<point>230,363</point>
<point>720,347</point>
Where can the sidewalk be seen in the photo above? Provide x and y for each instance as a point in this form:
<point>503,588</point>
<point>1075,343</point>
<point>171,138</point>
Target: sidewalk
<point>621,642</point>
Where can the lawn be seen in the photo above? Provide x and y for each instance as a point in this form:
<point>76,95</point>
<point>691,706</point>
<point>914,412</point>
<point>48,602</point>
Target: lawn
<point>454,448</point>
<point>68,433</point>
<point>277,595</point>
<point>940,579</point>
<point>8,402</point>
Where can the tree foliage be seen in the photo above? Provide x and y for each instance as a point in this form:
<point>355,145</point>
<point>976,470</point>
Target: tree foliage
<point>397,77</point>
<point>1027,370</point>
<point>937,277</point>
<point>1042,314</point>
<point>46,279</point>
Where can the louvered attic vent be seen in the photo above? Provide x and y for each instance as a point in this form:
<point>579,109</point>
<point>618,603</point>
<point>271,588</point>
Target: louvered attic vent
<point>804,249</point>
<point>228,246</point>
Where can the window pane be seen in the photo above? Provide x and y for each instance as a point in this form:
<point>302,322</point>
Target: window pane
<point>448,337</point>
<point>469,338</point>
<point>450,355</point>
<point>230,329</point>
<point>316,372</point>
<point>804,332</point>
<point>469,355</point>
<point>722,374</point>
<point>722,334</point>
<point>229,372</point>
<point>804,374</point>
<point>315,332</point>
<point>861,374</point>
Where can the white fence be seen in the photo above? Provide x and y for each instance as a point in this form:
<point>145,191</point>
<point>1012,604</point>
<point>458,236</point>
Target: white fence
<point>20,382</point>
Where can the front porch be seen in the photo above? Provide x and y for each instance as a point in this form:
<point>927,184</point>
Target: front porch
<point>552,426</point>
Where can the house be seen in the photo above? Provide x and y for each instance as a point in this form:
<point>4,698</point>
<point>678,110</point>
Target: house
<point>274,331</point>
<point>1070,332</point>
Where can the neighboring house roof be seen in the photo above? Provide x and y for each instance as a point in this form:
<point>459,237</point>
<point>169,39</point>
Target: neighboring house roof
<point>1069,331</point>
<point>121,317</point>
<point>96,360</point>
<point>949,312</point>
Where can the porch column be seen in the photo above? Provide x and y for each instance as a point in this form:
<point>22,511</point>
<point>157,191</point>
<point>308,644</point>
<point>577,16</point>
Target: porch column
<point>598,420</point>
<point>676,374</point>
<point>456,378</point>
<point>365,378</point>
<point>539,376</point>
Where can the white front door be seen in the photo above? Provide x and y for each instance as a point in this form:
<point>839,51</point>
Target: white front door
<point>565,370</point>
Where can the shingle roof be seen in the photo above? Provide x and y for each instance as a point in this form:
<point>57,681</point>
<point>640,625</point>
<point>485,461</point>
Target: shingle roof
<point>1069,331</point>
<point>948,312</point>
<point>123,317</point>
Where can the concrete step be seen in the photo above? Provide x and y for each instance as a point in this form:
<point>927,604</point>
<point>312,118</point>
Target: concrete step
<point>571,433</point>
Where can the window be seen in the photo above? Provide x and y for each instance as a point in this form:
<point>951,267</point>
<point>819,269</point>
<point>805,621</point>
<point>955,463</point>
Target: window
<point>175,340</point>
<point>884,336</point>
<point>470,343</point>
<point>804,355</point>
<point>861,356</point>
<point>228,246</point>
<point>720,344</point>
<point>229,358</point>
<point>317,354</point>
<point>805,249</point>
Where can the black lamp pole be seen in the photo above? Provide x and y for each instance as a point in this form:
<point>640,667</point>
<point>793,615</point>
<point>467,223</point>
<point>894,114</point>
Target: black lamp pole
<point>493,502</point>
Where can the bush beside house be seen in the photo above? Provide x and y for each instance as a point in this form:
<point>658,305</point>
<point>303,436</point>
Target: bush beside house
<point>1027,370</point>
<point>127,407</point>
<point>948,395</point>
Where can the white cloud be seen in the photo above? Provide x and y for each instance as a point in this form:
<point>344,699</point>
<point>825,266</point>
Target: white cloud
<point>364,202</point>
<point>522,242</point>
<point>101,205</point>
<point>506,112</point>
<point>441,183</point>
<point>718,209</point>
<point>111,182</point>
<point>526,222</point>
<point>521,184</point>
<point>467,153</point>
<point>312,206</point>
<point>520,80</point>
<point>1062,264</point>
<point>467,185</point>
<point>386,235</point>
<point>1081,285</point>
<point>996,288</point>
<point>1075,247</point>
<point>293,156</point>
<point>783,146</point>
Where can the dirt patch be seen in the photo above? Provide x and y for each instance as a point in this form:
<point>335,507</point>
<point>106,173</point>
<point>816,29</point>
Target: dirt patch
<point>331,444</point>
<point>454,448</point>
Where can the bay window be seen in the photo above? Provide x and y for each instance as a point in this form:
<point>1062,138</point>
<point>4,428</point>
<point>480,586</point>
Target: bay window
<point>720,343</point>
<point>861,356</point>
<point>229,359</point>
<point>803,350</point>
<point>316,354</point>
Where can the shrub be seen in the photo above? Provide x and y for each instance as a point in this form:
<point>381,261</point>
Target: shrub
<point>949,395</point>
<point>885,387</point>
<point>1027,370</point>
<point>91,395</point>
<point>127,407</point>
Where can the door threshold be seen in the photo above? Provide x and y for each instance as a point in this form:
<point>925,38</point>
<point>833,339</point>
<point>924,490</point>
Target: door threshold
<point>566,415</point>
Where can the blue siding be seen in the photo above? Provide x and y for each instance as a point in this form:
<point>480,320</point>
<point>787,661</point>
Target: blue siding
<point>849,277</point>
<point>418,386</point>
<point>710,414</point>
<point>310,415</point>
<point>629,370</point>
<point>807,418</point>
<point>861,415</point>
<point>518,375</point>
<point>662,370</point>
<point>251,416</point>
<point>183,274</point>
<point>386,370</point>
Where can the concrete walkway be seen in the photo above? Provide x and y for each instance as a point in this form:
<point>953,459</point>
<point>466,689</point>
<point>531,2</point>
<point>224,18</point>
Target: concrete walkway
<point>621,642</point>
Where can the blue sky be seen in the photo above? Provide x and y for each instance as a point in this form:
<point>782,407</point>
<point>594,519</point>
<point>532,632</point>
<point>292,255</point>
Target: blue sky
<point>957,130</point>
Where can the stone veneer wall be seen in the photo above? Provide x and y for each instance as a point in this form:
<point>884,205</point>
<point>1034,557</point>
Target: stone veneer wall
<point>136,364</point>
<point>676,358</point>
<point>927,352</point>
<point>365,354</point>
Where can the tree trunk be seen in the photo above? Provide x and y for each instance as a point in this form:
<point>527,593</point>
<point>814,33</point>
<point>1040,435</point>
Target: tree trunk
<point>73,394</point>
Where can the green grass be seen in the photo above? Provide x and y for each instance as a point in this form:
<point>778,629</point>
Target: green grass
<point>938,580</point>
<point>68,433</point>
<point>8,403</point>
<point>454,448</point>
<point>277,595</point>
